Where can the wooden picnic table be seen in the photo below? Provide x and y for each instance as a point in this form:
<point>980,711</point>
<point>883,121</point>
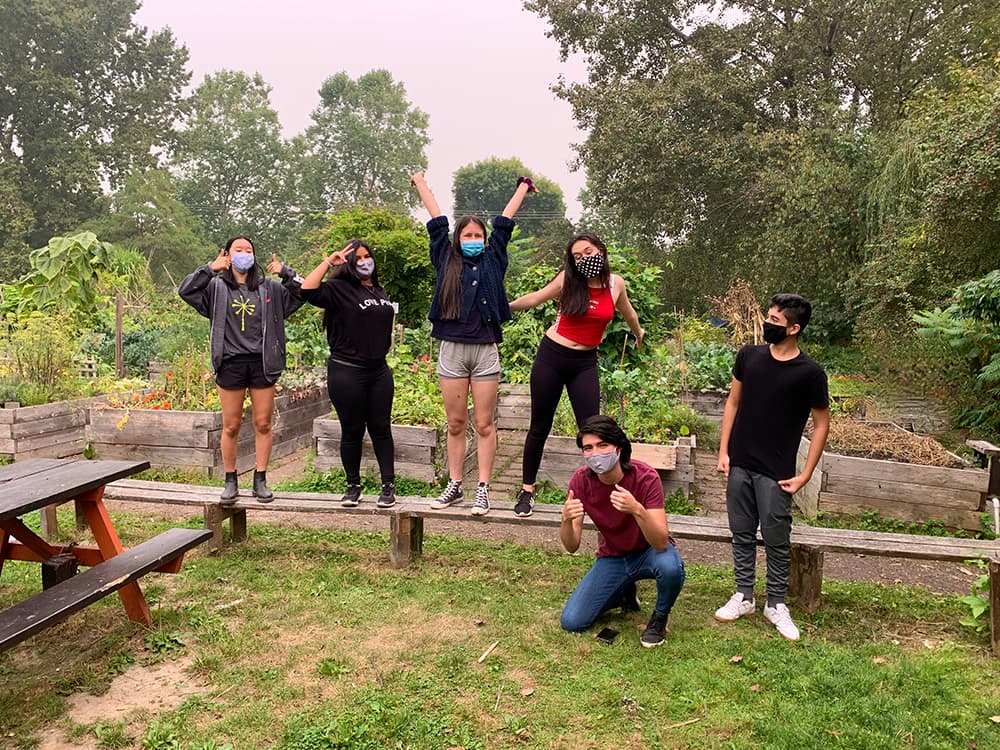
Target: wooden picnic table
<point>33,484</point>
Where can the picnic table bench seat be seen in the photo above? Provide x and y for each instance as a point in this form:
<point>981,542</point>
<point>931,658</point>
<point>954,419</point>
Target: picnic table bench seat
<point>406,520</point>
<point>162,553</point>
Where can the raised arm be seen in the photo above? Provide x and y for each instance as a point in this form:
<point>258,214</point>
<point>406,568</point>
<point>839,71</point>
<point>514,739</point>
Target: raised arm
<point>624,306</point>
<point>524,186</point>
<point>338,258</point>
<point>430,202</point>
<point>533,299</point>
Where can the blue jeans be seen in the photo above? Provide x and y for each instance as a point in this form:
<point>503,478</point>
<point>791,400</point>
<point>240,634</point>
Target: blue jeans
<point>603,586</point>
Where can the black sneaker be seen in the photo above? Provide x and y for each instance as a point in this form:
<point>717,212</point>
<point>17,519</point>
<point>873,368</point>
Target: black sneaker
<point>630,599</point>
<point>352,497</point>
<point>260,488</point>
<point>230,491</point>
<point>388,497</point>
<point>655,631</point>
<point>524,504</point>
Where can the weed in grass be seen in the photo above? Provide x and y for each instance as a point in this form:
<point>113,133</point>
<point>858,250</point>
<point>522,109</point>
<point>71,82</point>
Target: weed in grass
<point>112,734</point>
<point>163,644</point>
<point>161,735</point>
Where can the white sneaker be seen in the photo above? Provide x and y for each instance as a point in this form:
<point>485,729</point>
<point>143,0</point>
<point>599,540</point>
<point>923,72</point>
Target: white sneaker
<point>735,608</point>
<point>481,506</point>
<point>781,618</point>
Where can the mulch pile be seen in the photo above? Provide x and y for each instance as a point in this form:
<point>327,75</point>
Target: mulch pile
<point>887,442</point>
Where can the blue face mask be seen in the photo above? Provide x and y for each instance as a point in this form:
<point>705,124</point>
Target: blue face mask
<point>472,248</point>
<point>243,262</point>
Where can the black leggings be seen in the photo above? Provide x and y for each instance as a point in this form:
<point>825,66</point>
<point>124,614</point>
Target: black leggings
<point>557,366</point>
<point>363,399</point>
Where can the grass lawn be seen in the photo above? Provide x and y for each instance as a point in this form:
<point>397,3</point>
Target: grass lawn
<point>319,643</point>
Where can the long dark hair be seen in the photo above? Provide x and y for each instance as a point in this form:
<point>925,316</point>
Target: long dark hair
<point>575,296</point>
<point>349,273</point>
<point>607,430</point>
<point>450,293</point>
<point>254,275</point>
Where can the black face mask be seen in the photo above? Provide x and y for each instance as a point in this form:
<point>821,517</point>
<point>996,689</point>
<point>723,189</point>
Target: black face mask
<point>774,334</point>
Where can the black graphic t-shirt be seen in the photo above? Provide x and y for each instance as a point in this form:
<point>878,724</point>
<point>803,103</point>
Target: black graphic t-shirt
<point>244,334</point>
<point>359,326</point>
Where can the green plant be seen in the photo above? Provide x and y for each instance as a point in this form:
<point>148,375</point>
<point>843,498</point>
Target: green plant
<point>162,643</point>
<point>112,734</point>
<point>161,735</point>
<point>978,600</point>
<point>679,503</point>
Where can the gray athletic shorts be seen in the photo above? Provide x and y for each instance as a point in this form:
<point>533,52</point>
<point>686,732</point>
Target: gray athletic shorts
<point>471,361</point>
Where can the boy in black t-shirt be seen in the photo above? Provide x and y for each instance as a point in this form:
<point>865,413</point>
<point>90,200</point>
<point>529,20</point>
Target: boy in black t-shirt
<point>775,387</point>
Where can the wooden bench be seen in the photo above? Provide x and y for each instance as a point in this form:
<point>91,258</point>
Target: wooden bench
<point>406,523</point>
<point>162,553</point>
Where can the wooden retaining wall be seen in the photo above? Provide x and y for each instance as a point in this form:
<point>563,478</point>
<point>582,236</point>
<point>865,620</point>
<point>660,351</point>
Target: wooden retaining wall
<point>845,485</point>
<point>57,430</point>
<point>420,451</point>
<point>191,439</point>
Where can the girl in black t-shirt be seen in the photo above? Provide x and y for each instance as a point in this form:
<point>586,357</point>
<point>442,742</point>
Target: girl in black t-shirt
<point>358,318</point>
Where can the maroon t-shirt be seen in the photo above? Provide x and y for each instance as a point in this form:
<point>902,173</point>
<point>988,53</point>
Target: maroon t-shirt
<point>620,534</point>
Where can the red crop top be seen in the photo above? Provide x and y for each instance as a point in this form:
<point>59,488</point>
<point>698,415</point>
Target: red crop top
<point>588,329</point>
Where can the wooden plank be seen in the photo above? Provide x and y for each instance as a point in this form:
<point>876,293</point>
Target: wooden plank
<point>658,456</point>
<point>72,449</point>
<point>904,493</point>
<point>55,604</point>
<point>47,411</point>
<point>21,469</point>
<point>983,447</point>
<point>994,574</point>
<point>892,471</point>
<point>915,512</point>
<point>74,420</point>
<point>329,429</point>
<point>160,456</point>
<point>60,483</point>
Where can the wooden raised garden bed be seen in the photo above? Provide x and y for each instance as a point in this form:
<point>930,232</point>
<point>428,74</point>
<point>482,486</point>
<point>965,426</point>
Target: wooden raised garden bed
<point>420,451</point>
<point>848,485</point>
<point>191,439</point>
<point>56,430</point>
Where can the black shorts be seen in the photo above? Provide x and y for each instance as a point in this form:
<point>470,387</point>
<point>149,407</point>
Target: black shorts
<point>242,371</point>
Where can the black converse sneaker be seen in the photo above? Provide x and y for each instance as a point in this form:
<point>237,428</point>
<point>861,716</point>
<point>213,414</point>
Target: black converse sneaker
<point>481,505</point>
<point>452,495</point>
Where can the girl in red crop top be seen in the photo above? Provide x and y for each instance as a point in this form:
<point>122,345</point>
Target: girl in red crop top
<point>588,295</point>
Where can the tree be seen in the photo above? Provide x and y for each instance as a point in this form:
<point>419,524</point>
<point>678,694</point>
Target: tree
<point>365,142</point>
<point>705,131</point>
<point>16,223</point>
<point>234,168</point>
<point>85,97</point>
<point>147,215</point>
<point>484,187</point>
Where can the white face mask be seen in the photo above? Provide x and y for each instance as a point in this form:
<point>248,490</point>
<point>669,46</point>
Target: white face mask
<point>365,267</point>
<point>602,463</point>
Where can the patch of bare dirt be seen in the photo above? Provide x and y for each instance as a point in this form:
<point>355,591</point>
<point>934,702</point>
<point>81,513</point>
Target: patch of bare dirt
<point>142,689</point>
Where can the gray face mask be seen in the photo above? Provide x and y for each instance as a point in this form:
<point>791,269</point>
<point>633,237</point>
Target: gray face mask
<point>602,463</point>
<point>365,267</point>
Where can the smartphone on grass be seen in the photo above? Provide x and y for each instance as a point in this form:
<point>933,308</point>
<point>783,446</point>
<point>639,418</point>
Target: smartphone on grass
<point>607,635</point>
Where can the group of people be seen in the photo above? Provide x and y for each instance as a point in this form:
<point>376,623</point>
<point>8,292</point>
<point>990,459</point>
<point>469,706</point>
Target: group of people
<point>775,387</point>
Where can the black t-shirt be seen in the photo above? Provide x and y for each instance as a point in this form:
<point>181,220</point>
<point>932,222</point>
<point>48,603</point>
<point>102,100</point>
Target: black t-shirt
<point>359,330</point>
<point>775,403</point>
<point>243,332</point>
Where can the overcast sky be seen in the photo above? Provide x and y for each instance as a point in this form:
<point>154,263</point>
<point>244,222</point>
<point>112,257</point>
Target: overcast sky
<point>481,70</point>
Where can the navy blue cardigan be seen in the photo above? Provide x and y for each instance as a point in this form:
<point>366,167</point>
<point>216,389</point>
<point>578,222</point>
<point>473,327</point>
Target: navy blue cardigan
<point>487,297</point>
